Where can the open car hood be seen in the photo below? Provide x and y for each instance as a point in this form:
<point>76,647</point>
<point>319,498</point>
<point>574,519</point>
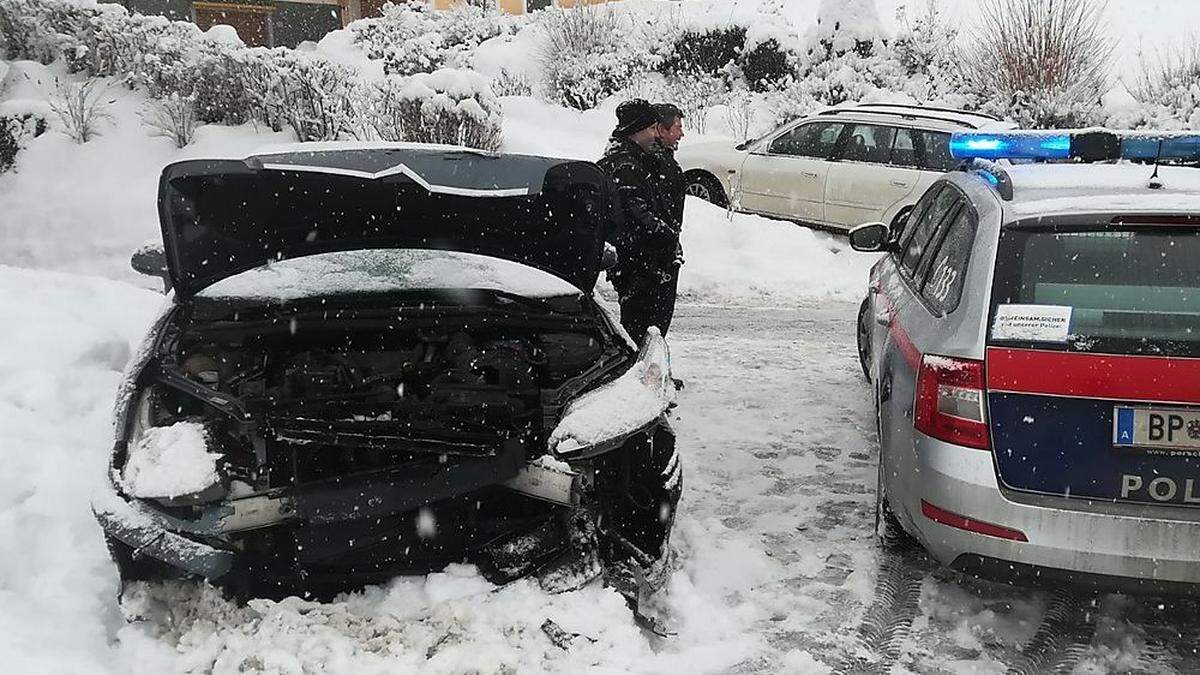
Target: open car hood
<point>222,217</point>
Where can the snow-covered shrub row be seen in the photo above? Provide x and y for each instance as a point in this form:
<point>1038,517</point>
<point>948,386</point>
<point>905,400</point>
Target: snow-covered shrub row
<point>1167,91</point>
<point>411,38</point>
<point>446,106</point>
<point>232,84</point>
<point>1043,63</point>
<point>707,51</point>
<point>590,53</point>
<point>14,131</point>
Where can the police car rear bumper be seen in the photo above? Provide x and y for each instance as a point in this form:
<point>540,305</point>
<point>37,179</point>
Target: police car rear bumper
<point>1082,538</point>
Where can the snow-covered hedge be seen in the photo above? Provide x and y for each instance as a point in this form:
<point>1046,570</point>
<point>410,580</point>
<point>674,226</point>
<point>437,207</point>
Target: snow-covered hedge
<point>1166,94</point>
<point>317,98</point>
<point>590,53</point>
<point>14,131</point>
<point>410,38</point>
<point>431,108</point>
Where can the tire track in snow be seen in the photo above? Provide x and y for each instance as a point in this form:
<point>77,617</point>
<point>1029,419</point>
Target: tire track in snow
<point>887,623</point>
<point>1064,634</point>
<point>1171,628</point>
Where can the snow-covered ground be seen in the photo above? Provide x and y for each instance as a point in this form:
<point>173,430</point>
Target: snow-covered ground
<point>73,214</point>
<point>778,567</point>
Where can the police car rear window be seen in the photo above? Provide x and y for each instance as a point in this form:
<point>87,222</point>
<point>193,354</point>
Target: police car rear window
<point>1111,288</point>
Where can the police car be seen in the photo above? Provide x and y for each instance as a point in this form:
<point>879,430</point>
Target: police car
<point>1033,339</point>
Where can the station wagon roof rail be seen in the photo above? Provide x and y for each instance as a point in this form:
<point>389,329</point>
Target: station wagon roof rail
<point>902,114</point>
<point>908,106</point>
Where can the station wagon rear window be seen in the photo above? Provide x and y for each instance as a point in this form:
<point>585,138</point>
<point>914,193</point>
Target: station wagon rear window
<point>1125,289</point>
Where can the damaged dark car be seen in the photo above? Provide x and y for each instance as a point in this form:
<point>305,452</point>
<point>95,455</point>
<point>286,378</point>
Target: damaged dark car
<point>379,361</point>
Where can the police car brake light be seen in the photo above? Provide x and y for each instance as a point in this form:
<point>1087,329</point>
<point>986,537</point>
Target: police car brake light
<point>950,401</point>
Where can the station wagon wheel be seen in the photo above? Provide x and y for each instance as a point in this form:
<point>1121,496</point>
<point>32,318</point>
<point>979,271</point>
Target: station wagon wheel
<point>705,186</point>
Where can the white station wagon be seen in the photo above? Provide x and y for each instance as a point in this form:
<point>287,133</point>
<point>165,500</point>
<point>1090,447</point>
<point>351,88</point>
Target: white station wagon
<point>835,169</point>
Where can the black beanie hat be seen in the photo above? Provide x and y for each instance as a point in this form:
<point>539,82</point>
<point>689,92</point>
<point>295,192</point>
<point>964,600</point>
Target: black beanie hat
<point>635,115</point>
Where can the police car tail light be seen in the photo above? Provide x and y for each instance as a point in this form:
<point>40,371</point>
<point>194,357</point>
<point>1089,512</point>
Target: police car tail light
<point>950,401</point>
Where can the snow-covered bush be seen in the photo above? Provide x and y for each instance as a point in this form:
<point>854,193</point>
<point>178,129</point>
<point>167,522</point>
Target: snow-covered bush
<point>196,78</point>
<point>1167,89</point>
<point>220,86</point>
<point>591,52</point>
<point>15,130</point>
<point>410,38</point>
<point>447,106</point>
<point>173,117</point>
<point>312,95</point>
<point>739,113</point>
<point>766,63</point>
<point>1042,62</point>
<point>81,106</point>
<point>40,30</point>
<point>508,83</point>
<point>927,47</point>
<point>847,26</point>
<point>709,51</point>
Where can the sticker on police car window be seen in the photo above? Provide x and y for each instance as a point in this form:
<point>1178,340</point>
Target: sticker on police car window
<point>1032,323</point>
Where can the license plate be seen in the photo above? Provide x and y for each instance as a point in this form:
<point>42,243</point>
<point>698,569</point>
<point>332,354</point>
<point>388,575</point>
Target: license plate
<point>1166,428</point>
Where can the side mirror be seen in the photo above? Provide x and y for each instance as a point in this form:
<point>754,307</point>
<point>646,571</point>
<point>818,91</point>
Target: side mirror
<point>870,237</point>
<point>151,260</point>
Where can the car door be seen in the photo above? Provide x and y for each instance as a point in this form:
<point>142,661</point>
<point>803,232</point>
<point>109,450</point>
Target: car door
<point>786,176</point>
<point>874,168</point>
<point>905,324</point>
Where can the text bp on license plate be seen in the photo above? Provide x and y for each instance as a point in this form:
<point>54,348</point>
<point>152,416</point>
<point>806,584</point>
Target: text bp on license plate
<point>1174,428</point>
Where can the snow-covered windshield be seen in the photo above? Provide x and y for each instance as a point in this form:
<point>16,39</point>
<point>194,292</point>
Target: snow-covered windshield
<point>381,270</point>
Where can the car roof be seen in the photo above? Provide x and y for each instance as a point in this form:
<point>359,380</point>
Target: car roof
<point>918,115</point>
<point>1061,189</point>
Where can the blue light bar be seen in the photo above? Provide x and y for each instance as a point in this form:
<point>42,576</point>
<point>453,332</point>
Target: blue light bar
<point>1173,148</point>
<point>1012,145</point>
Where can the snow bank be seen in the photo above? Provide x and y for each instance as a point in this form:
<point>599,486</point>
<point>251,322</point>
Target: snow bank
<point>746,257</point>
<point>85,208</point>
<point>538,128</point>
<point>65,341</point>
<point>170,461</point>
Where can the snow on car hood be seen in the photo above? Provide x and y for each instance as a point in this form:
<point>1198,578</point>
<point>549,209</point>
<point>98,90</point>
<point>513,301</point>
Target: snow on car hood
<point>223,217</point>
<point>386,270</point>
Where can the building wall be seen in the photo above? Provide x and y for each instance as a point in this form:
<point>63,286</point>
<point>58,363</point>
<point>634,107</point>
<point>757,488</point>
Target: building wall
<point>295,22</point>
<point>177,10</point>
<point>251,21</point>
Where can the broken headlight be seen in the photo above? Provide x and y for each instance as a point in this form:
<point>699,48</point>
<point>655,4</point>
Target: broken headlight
<point>166,459</point>
<point>602,419</point>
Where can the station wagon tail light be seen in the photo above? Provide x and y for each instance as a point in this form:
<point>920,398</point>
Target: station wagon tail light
<point>950,401</point>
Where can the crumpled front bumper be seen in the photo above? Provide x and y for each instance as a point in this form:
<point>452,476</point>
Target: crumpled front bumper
<point>141,530</point>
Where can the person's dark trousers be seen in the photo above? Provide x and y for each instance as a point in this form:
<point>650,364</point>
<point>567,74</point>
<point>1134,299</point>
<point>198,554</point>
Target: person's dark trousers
<point>647,299</point>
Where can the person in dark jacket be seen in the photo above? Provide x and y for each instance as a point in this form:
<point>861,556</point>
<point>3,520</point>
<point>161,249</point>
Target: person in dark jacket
<point>670,132</point>
<point>647,241</point>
